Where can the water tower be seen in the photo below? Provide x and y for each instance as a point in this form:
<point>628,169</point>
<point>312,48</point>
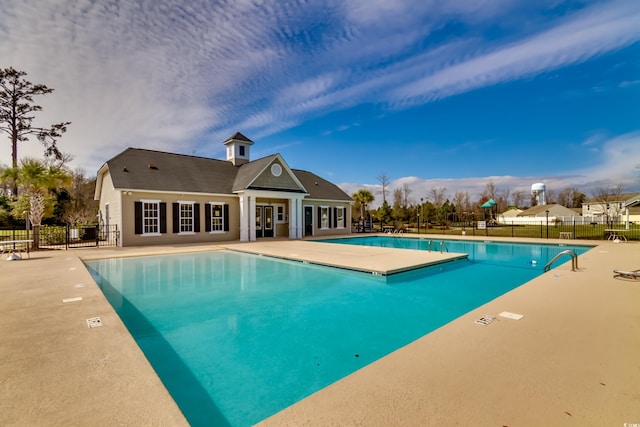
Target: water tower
<point>538,191</point>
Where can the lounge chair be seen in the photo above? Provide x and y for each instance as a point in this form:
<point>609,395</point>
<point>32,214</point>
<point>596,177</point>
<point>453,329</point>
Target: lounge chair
<point>633,275</point>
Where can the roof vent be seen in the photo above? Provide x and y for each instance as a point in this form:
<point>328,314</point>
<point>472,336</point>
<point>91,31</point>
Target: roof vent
<point>152,166</point>
<point>124,169</point>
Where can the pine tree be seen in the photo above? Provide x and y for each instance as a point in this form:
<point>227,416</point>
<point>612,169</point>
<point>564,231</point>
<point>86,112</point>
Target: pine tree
<point>16,115</point>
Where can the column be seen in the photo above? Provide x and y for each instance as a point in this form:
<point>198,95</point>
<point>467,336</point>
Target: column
<point>252,219</point>
<point>299,219</point>
<point>244,218</point>
<point>292,218</point>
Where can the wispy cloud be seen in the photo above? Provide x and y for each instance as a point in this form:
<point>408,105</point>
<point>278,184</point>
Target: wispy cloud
<point>619,164</point>
<point>592,32</point>
<point>183,76</point>
<point>628,83</point>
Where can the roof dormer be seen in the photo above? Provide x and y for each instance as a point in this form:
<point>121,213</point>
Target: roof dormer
<point>238,149</point>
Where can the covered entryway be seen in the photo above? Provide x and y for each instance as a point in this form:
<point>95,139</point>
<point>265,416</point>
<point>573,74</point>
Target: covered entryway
<point>264,221</point>
<point>270,214</point>
<point>308,220</point>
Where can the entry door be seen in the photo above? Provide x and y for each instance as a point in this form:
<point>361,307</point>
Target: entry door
<point>264,221</point>
<point>259,230</point>
<point>268,221</point>
<point>308,220</point>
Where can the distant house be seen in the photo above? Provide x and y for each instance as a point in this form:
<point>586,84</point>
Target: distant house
<point>164,198</point>
<point>540,213</point>
<point>551,210</point>
<point>622,207</point>
<point>508,214</point>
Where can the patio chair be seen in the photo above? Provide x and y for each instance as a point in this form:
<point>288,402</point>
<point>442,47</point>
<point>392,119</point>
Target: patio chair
<point>633,275</point>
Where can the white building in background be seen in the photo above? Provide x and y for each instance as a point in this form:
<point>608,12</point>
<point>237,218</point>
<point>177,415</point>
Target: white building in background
<point>617,208</point>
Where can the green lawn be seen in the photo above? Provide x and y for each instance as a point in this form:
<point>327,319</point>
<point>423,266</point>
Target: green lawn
<point>588,231</point>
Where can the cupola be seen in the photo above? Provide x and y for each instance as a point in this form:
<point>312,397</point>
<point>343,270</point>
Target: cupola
<point>238,149</point>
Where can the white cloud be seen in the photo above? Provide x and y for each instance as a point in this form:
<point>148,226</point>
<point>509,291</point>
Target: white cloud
<point>183,76</point>
<point>620,164</point>
<point>595,31</point>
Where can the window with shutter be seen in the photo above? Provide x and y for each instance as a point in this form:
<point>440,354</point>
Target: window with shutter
<point>185,217</point>
<point>149,217</point>
<point>325,217</point>
<point>218,217</point>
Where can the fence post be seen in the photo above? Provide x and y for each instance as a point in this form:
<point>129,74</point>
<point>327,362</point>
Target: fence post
<point>547,211</point>
<point>66,237</point>
<point>97,234</point>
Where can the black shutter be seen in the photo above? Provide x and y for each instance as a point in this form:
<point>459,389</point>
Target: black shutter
<point>196,217</point>
<point>138,217</point>
<point>207,217</point>
<point>335,217</point>
<point>176,218</point>
<point>319,221</point>
<point>226,217</point>
<point>163,217</point>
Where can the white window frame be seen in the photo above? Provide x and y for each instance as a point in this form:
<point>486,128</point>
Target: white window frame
<point>325,219</point>
<point>221,218</point>
<point>341,221</point>
<point>181,217</point>
<point>280,218</point>
<point>145,217</point>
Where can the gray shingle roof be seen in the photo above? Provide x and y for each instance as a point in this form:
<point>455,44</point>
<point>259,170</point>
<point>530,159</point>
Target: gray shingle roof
<point>320,188</point>
<point>149,170</point>
<point>239,137</point>
<point>613,198</point>
<point>554,208</point>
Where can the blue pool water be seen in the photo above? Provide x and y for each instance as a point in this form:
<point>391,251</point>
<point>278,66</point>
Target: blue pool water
<point>517,255</point>
<point>237,337</point>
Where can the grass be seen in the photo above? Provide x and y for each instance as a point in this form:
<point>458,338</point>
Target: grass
<point>588,231</point>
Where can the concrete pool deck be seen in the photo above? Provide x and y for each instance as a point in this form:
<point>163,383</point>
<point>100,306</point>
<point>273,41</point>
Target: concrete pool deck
<point>573,359</point>
<point>368,259</point>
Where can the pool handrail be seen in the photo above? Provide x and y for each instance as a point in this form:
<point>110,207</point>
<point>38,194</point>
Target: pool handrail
<point>574,260</point>
<point>443,246</point>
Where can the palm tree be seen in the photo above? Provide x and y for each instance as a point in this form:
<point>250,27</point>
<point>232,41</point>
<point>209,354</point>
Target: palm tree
<point>36,181</point>
<point>363,198</point>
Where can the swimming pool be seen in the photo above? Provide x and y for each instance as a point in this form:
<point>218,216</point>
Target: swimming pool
<point>237,337</point>
<point>517,255</point>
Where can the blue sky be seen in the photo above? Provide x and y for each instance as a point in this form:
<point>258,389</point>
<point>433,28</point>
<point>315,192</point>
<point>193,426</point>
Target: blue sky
<point>435,94</point>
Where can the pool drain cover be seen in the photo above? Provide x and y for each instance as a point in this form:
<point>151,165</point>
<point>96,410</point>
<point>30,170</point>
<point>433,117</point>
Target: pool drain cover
<point>94,322</point>
<point>485,320</point>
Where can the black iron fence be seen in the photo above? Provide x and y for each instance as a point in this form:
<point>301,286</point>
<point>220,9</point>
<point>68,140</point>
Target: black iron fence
<point>63,236</point>
<point>536,229</point>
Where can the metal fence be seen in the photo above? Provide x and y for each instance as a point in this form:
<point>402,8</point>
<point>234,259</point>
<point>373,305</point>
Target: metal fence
<point>64,236</point>
<point>540,229</point>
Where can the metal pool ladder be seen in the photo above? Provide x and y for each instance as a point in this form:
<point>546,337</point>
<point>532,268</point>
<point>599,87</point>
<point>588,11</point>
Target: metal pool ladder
<point>572,254</point>
<point>443,246</point>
